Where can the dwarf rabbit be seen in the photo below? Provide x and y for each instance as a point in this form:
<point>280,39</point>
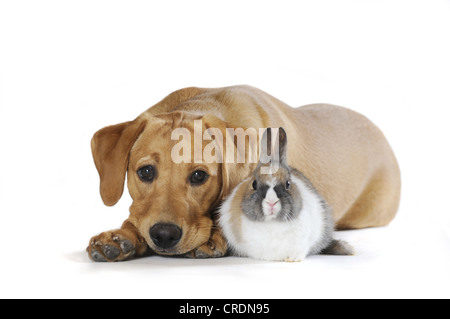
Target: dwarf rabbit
<point>277,214</point>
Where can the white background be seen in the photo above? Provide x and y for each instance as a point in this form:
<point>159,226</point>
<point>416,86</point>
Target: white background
<point>68,68</point>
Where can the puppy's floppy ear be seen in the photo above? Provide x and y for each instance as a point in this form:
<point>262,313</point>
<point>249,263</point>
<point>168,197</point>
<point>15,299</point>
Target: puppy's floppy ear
<point>214,123</point>
<point>111,147</point>
<point>233,172</point>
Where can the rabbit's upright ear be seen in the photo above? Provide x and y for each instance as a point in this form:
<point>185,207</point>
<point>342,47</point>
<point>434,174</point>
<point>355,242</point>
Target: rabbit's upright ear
<point>266,147</point>
<point>275,154</point>
<point>282,146</point>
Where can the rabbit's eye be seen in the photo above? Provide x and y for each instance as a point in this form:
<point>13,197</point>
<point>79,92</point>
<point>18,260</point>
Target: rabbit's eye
<point>288,184</point>
<point>254,185</point>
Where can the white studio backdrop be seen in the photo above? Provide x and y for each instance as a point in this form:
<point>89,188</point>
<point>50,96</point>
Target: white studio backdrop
<point>69,68</point>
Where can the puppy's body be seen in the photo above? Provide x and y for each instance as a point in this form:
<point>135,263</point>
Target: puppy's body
<point>341,152</point>
<point>344,154</point>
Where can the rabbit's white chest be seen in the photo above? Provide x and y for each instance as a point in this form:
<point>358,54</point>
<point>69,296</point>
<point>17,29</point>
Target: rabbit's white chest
<point>274,240</point>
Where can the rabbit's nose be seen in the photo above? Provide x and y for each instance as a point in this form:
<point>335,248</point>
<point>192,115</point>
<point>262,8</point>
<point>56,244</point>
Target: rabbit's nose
<point>272,203</point>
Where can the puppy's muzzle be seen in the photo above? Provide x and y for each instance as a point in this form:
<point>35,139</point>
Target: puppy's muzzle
<point>165,236</point>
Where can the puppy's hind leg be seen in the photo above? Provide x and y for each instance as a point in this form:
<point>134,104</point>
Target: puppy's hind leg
<point>339,247</point>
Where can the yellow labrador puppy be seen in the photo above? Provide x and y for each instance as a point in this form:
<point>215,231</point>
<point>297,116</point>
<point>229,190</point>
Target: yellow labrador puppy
<point>185,154</point>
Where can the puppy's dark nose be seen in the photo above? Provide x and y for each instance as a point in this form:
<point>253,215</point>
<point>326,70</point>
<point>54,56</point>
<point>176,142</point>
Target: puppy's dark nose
<point>165,235</point>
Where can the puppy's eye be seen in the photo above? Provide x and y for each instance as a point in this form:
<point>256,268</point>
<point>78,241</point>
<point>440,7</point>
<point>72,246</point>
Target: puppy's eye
<point>146,173</point>
<point>198,177</point>
<point>255,185</point>
<point>288,184</point>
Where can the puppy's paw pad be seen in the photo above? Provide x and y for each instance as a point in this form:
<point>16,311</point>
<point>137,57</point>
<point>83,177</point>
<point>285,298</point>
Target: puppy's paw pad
<point>126,246</point>
<point>201,254</point>
<point>96,256</point>
<point>110,247</point>
<point>111,252</point>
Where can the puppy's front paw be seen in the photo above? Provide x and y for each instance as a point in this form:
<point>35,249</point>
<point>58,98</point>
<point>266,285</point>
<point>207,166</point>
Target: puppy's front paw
<point>111,246</point>
<point>208,250</point>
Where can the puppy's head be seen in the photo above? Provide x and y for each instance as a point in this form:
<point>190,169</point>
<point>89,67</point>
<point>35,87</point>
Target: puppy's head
<point>173,190</point>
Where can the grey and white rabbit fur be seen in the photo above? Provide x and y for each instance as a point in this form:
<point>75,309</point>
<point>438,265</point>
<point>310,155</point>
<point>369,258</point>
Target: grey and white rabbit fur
<point>277,214</point>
